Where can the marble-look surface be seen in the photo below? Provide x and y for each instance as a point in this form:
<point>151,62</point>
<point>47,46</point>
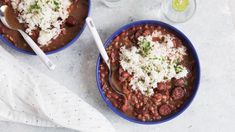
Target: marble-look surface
<point>210,30</point>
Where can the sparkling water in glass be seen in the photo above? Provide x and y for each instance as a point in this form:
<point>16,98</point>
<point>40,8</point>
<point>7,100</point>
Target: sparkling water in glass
<point>112,3</point>
<point>178,10</point>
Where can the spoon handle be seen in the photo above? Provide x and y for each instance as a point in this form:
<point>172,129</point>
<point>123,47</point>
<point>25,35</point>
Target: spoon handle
<point>38,51</point>
<point>98,40</point>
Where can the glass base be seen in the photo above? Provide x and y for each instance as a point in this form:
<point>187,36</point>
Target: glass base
<point>178,16</point>
<point>112,3</point>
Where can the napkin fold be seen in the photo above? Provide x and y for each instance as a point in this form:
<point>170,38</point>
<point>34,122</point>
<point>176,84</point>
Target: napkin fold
<point>30,97</point>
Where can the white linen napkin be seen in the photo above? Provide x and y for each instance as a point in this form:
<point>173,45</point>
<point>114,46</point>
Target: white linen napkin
<point>27,96</point>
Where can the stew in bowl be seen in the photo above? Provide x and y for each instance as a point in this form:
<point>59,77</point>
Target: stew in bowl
<point>52,24</point>
<point>158,72</point>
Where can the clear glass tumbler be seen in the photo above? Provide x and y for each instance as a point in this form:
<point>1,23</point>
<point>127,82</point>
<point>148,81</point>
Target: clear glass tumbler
<point>112,3</point>
<point>178,10</point>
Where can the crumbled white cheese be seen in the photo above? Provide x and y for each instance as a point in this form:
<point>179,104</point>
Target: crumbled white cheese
<point>152,62</point>
<point>47,15</point>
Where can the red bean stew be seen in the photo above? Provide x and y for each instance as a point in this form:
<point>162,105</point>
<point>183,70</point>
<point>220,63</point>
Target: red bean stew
<point>169,95</point>
<point>78,11</point>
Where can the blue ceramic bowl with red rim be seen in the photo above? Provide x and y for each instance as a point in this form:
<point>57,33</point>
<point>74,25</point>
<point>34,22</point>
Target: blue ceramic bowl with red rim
<point>53,51</point>
<point>190,48</point>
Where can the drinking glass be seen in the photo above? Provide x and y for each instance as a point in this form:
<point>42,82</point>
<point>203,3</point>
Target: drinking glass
<point>178,10</point>
<point>112,3</point>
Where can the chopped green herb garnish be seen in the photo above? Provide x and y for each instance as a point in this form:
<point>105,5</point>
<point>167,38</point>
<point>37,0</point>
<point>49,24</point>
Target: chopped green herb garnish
<point>34,8</point>
<point>148,91</point>
<point>156,58</point>
<point>141,80</point>
<point>178,69</point>
<point>147,69</point>
<point>176,61</point>
<point>159,58</point>
<point>145,47</point>
<point>57,5</point>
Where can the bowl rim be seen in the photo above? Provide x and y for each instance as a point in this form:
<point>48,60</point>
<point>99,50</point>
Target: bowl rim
<point>189,46</point>
<point>10,44</point>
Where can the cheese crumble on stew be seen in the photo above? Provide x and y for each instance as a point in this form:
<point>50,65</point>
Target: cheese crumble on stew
<point>152,62</point>
<point>46,15</point>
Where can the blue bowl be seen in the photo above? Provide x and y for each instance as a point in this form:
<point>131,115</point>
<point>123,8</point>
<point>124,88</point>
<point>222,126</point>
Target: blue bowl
<point>190,48</point>
<point>53,51</point>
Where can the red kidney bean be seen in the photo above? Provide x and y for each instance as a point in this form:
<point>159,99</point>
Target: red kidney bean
<point>71,21</point>
<point>155,101</point>
<point>124,108</point>
<point>63,31</point>
<point>132,38</point>
<point>165,98</point>
<point>161,86</point>
<point>146,116</point>
<point>165,110</point>
<point>135,114</point>
<point>5,1</point>
<point>134,99</point>
<point>146,26</point>
<point>146,32</point>
<point>158,97</point>
<point>102,68</point>
<point>108,95</point>
<point>123,34</point>
<point>178,93</point>
<point>120,71</point>
<point>125,105</point>
<point>114,102</point>
<point>140,27</point>
<point>76,0</point>
<point>129,96</point>
<point>115,96</point>
<point>152,27</point>
<point>168,85</point>
<point>176,43</point>
<point>102,74</point>
<point>116,45</point>
<point>179,82</point>
<point>173,107</point>
<point>125,74</point>
<point>138,34</point>
<point>151,109</point>
<point>113,54</point>
<point>129,78</point>
<point>2,30</point>
<point>139,116</point>
<point>125,90</point>
<point>156,39</point>
<point>145,100</point>
<point>117,39</point>
<point>137,106</point>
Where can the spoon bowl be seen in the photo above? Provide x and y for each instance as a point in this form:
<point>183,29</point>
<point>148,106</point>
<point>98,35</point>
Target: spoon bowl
<point>113,81</point>
<point>3,10</point>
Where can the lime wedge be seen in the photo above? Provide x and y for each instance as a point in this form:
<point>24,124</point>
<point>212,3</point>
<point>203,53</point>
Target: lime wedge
<point>180,5</point>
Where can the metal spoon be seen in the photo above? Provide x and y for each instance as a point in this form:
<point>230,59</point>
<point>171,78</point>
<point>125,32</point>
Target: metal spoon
<point>29,40</point>
<point>112,71</point>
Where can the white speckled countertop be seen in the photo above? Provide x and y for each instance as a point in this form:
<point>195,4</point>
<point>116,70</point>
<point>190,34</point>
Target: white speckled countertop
<point>210,30</point>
